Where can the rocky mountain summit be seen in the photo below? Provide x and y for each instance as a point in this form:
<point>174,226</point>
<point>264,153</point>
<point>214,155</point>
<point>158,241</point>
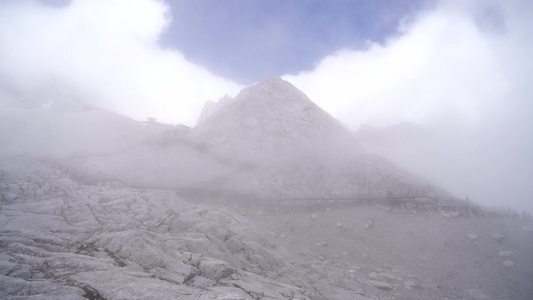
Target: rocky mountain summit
<point>291,148</point>
<point>273,117</point>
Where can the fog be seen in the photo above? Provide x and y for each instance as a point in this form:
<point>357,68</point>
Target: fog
<point>347,180</point>
<point>459,71</point>
<point>92,51</point>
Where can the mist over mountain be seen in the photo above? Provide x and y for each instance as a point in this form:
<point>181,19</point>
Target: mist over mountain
<point>293,148</point>
<point>270,141</point>
<point>467,163</point>
<point>268,197</point>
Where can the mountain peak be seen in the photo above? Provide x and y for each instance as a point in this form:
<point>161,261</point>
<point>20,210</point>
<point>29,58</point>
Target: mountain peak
<point>274,89</point>
<point>273,79</point>
<point>272,103</point>
<point>273,116</point>
<point>274,82</point>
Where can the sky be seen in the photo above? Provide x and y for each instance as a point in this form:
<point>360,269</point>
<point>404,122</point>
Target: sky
<point>460,67</point>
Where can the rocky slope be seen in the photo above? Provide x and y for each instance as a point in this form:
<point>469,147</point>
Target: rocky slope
<point>59,239</point>
<point>62,239</point>
<point>294,149</point>
<point>271,141</point>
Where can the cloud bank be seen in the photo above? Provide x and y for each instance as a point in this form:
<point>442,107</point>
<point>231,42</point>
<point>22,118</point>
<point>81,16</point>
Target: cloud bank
<point>105,53</point>
<point>452,62</point>
<point>459,68</point>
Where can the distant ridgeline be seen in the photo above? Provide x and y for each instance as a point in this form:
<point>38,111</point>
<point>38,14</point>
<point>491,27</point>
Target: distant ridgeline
<point>269,142</point>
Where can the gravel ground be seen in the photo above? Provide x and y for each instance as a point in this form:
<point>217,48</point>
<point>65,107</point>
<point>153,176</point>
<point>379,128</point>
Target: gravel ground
<point>390,253</point>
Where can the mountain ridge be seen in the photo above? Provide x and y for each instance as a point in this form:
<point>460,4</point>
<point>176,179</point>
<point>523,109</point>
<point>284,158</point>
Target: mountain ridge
<point>270,141</point>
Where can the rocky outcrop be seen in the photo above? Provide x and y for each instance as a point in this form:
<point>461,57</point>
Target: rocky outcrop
<point>291,148</point>
<point>210,108</point>
<point>63,240</point>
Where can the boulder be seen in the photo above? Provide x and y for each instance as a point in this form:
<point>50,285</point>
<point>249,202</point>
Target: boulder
<point>381,285</point>
<point>215,269</point>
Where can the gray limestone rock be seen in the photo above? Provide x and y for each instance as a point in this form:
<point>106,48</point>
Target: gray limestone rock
<point>215,269</point>
<point>381,285</point>
<point>234,244</point>
<point>498,237</point>
<point>74,241</point>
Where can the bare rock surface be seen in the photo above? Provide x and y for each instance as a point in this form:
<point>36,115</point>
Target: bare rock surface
<point>403,255</point>
<point>60,239</point>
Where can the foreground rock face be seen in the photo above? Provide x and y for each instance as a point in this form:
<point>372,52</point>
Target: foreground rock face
<point>72,226</point>
<point>62,240</point>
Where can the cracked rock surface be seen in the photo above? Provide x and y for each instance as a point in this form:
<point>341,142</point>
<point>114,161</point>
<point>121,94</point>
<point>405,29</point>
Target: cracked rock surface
<point>63,240</point>
<point>60,239</point>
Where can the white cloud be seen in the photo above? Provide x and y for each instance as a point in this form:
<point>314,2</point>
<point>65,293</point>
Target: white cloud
<point>463,66</point>
<point>442,66</point>
<point>105,53</point>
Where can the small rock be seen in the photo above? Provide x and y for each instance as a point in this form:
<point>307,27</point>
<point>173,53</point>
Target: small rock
<point>446,215</point>
<point>409,285</point>
<point>389,276</point>
<point>505,253</point>
<point>508,264</point>
<point>10,196</point>
<point>313,216</point>
<point>215,269</point>
<point>472,236</point>
<point>173,277</point>
<point>201,282</point>
<point>233,244</point>
<point>381,285</point>
<point>498,237</point>
<point>339,224</point>
<point>317,297</point>
<point>454,214</point>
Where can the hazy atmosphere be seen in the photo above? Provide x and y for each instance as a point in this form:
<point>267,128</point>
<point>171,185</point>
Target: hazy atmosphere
<point>459,69</point>
<point>281,149</point>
